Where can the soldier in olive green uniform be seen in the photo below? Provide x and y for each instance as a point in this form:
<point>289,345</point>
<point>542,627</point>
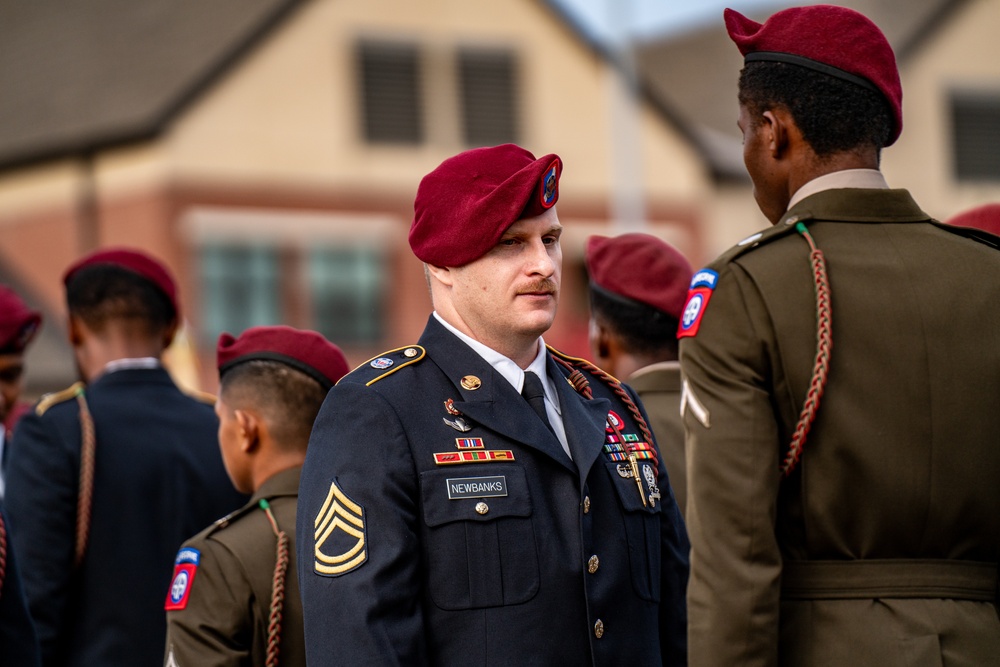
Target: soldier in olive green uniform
<point>234,599</point>
<point>633,331</point>
<point>840,384</point>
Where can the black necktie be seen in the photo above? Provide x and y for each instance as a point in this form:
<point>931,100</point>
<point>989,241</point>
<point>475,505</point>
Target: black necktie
<point>535,395</point>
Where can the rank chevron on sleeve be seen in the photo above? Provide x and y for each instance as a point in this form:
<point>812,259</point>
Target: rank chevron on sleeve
<point>341,523</point>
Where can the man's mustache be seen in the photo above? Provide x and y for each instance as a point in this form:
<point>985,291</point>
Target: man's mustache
<point>547,285</point>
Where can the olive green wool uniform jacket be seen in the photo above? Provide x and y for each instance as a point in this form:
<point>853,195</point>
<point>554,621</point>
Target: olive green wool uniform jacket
<point>659,388</point>
<point>218,612</point>
<point>881,547</point>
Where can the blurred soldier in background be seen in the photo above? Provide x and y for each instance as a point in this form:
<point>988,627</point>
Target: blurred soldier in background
<point>108,477</point>
<point>18,326</point>
<point>234,599</point>
<point>840,384</point>
<point>18,641</point>
<point>638,285</point>
<point>985,217</point>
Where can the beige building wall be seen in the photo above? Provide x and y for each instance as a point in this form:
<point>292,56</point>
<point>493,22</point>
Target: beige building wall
<point>289,112</point>
<point>963,55</point>
<point>277,142</point>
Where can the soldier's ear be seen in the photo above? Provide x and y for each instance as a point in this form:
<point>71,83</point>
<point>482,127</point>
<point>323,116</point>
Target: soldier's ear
<point>440,273</point>
<point>75,330</point>
<point>600,342</point>
<point>249,430</point>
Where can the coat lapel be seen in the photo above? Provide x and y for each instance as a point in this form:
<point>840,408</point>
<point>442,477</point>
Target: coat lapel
<point>494,404</point>
<point>584,421</point>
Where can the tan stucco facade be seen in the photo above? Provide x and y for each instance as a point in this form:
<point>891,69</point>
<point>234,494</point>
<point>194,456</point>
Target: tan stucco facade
<point>278,140</point>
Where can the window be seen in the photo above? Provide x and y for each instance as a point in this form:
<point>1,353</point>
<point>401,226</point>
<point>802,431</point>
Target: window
<point>245,286</point>
<point>346,288</point>
<point>410,94</point>
<point>976,133</point>
<point>239,289</point>
<point>390,92</point>
<point>487,81</point>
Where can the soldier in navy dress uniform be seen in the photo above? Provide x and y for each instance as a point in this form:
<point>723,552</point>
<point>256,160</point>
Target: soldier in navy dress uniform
<point>18,641</point>
<point>234,599</point>
<point>107,478</point>
<point>840,384</point>
<point>478,498</point>
<point>18,326</point>
<point>633,331</point>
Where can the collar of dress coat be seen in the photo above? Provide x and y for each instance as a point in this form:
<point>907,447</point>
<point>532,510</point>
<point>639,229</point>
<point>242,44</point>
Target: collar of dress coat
<point>868,179</point>
<point>138,362</point>
<point>507,368</point>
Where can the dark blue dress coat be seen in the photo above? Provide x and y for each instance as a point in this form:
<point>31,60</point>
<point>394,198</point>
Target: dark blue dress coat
<point>528,558</point>
<point>158,479</point>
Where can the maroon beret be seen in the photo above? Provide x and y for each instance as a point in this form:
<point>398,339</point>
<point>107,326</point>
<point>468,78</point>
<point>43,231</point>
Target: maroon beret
<point>641,268</point>
<point>985,217</point>
<point>132,260</point>
<point>834,40</point>
<point>305,351</point>
<point>465,205</point>
<point>18,323</point>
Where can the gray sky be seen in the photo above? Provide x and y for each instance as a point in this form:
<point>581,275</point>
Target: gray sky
<point>646,18</point>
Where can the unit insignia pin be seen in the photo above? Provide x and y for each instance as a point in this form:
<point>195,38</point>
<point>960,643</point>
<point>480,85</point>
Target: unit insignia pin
<point>654,490</point>
<point>381,363</point>
<point>613,422</point>
<point>449,406</point>
<point>471,382</point>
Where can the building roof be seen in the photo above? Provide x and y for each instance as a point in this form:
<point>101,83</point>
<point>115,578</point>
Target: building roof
<point>79,76</point>
<point>696,73</point>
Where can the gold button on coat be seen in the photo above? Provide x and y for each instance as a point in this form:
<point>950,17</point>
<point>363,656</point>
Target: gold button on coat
<point>599,628</point>
<point>586,504</point>
<point>482,508</point>
<point>593,564</point>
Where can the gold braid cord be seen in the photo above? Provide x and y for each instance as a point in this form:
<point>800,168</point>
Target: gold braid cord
<point>3,553</point>
<point>85,494</point>
<point>582,386</point>
<point>821,368</point>
<point>277,590</point>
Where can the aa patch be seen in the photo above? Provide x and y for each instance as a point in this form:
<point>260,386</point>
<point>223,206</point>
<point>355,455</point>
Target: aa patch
<point>702,285</point>
<point>341,544</point>
<point>185,567</point>
<point>550,184</point>
<point>613,422</point>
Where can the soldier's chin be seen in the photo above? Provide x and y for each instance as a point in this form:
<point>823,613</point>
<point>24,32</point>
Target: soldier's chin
<point>538,322</point>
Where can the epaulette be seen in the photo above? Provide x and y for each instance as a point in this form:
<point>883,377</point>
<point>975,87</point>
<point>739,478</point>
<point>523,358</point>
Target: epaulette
<point>201,396</point>
<point>784,227</point>
<point>579,362</point>
<point>382,366</point>
<point>973,233</point>
<point>229,518</point>
<point>48,400</point>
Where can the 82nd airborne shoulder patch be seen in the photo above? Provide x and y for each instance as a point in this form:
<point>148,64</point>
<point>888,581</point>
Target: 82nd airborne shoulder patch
<point>702,285</point>
<point>185,567</point>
